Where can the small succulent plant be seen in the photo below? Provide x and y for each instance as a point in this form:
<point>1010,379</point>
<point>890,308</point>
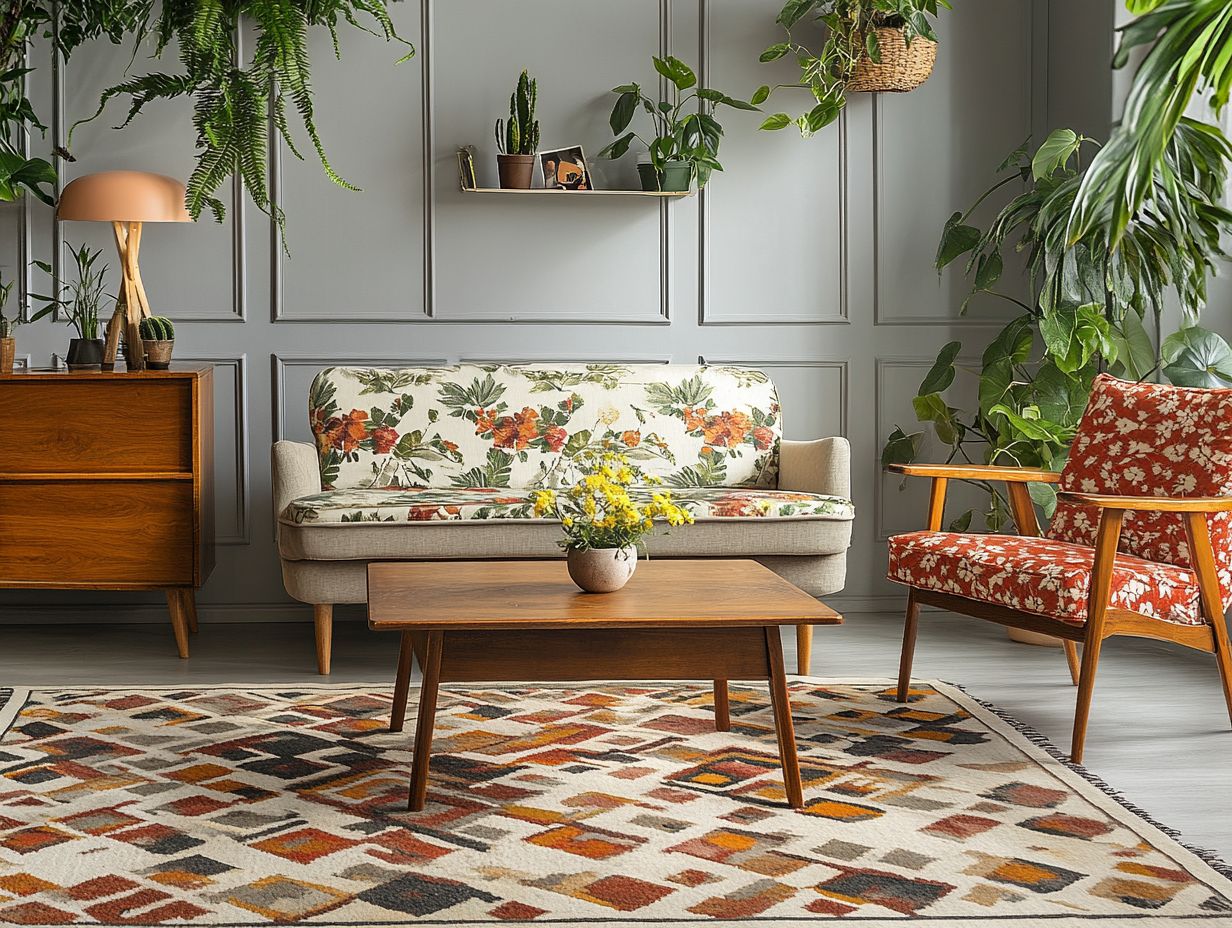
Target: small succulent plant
<point>6,324</point>
<point>520,136</point>
<point>157,329</point>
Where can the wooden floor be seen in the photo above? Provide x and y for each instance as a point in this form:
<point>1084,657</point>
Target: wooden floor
<point>1159,732</point>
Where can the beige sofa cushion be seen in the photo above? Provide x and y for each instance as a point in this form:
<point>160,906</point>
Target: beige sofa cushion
<point>508,538</point>
<point>458,504</point>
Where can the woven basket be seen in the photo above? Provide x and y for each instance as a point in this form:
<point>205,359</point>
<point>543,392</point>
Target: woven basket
<point>903,67</point>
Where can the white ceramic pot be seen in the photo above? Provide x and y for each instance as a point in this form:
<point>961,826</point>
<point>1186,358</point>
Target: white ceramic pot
<point>602,570</point>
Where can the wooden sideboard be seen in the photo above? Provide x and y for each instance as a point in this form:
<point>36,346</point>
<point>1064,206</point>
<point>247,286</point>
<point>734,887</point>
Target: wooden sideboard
<point>106,483</point>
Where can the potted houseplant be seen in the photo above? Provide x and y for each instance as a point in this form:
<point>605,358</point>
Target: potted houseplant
<point>81,301</point>
<point>518,139</point>
<point>158,339</point>
<point>603,525</point>
<point>870,46</point>
<point>8,344</point>
<point>686,141</point>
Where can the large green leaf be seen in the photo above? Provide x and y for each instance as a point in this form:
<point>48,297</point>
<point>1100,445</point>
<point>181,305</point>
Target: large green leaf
<point>941,374</point>
<point>1057,149</point>
<point>901,448</point>
<point>1135,350</point>
<point>932,408</point>
<point>1076,335</point>
<point>1197,357</point>
<point>957,238</point>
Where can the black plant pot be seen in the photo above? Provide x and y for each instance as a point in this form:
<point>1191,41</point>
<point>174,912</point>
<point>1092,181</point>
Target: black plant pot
<point>85,354</point>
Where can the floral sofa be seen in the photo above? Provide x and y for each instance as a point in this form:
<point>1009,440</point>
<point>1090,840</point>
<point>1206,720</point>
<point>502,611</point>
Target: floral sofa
<point>420,463</point>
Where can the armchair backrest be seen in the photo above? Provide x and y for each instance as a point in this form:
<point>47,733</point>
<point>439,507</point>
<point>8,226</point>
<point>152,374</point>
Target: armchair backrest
<point>1144,439</point>
<point>518,425</point>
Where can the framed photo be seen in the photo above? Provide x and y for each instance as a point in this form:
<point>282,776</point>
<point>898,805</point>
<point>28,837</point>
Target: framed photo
<point>566,169</point>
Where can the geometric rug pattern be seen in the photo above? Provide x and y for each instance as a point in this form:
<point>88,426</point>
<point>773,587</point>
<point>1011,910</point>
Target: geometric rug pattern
<point>581,804</point>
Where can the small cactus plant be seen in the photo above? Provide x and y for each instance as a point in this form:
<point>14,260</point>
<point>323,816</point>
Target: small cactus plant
<point>520,135</point>
<point>6,326</point>
<point>157,329</point>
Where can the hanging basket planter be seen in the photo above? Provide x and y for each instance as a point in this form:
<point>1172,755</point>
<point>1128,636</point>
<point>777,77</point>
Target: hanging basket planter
<point>902,67</point>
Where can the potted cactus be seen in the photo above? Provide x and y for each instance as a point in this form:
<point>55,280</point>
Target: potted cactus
<point>8,344</point>
<point>158,338</point>
<point>518,139</point>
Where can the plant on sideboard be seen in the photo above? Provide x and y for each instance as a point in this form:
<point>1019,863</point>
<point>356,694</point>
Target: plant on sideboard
<point>239,101</point>
<point>158,339</point>
<point>8,343</point>
<point>1090,308</point>
<point>868,46</point>
<point>603,524</point>
<point>517,139</point>
<point>81,302</point>
<point>685,145</point>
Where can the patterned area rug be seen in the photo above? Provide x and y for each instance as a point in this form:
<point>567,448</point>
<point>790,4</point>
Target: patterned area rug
<point>614,805</point>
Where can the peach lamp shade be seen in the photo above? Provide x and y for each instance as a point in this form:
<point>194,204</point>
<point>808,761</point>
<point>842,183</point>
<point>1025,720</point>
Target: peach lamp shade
<point>123,196</point>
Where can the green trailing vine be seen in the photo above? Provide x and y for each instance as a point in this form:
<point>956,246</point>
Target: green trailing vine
<point>232,101</point>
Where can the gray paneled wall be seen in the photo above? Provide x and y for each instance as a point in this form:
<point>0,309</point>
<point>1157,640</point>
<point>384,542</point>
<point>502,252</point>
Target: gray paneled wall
<point>810,259</point>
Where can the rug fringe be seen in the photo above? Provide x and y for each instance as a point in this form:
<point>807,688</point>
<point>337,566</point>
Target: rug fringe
<point>1210,858</point>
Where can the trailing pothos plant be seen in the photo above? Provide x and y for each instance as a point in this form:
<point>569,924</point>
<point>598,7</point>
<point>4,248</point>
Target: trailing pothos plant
<point>1090,307</point>
<point>233,99</point>
<point>850,32</point>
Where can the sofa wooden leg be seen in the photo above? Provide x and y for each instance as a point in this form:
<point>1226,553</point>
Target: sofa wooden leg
<point>904,662</point>
<point>323,619</point>
<point>1086,684</point>
<point>1071,657</point>
<point>804,649</point>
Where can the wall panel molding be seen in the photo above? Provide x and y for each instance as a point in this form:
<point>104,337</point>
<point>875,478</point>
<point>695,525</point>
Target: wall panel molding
<point>241,534</point>
<point>705,210</point>
<point>280,363</point>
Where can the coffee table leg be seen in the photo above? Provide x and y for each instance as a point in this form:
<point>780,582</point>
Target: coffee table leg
<point>425,720</point>
<point>397,714</point>
<point>722,709</point>
<point>783,727</point>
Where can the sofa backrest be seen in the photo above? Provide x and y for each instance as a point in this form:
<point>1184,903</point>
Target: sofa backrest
<point>518,425</point>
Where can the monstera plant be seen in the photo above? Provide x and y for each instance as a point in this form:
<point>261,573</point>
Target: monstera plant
<point>1091,306</point>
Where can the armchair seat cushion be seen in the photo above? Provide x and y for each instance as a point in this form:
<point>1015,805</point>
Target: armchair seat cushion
<point>1040,575</point>
<point>455,504</point>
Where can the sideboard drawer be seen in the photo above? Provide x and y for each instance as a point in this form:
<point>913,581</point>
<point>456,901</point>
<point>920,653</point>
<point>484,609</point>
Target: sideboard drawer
<point>90,426</point>
<point>102,532</point>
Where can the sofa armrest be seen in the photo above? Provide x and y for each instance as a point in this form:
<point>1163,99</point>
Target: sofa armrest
<point>822,466</point>
<point>295,473</point>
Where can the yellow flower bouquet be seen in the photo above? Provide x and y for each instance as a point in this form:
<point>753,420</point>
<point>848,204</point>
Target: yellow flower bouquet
<point>603,524</point>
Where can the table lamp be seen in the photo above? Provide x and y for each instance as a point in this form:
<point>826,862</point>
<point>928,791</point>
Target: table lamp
<point>126,199</point>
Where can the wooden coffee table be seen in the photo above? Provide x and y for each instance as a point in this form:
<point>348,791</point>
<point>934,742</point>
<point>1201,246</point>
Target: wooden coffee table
<point>467,621</point>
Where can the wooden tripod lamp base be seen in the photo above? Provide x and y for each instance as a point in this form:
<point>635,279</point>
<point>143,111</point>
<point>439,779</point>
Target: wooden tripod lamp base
<point>126,199</point>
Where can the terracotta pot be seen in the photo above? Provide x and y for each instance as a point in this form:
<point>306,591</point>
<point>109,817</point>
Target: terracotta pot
<point>158,354</point>
<point>8,348</point>
<point>602,570</point>
<point>515,171</point>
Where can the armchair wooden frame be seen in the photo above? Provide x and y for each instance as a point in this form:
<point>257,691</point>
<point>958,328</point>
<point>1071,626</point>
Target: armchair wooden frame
<point>1102,621</point>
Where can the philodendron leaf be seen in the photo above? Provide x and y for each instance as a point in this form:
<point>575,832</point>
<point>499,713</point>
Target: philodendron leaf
<point>622,112</point>
<point>1197,357</point>
<point>941,374</point>
<point>1044,495</point>
<point>1135,351</point>
<point>901,448</point>
<point>963,522</point>
<point>1032,426</point>
<point>932,408</point>
<point>988,270</point>
<point>957,238</point>
<point>760,95</point>
<point>775,52</point>
<point>1056,150</point>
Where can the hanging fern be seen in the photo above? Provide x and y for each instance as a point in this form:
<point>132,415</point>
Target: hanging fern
<point>234,102</point>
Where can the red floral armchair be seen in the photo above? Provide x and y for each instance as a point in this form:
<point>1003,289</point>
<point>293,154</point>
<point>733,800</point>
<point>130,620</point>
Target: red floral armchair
<point>1140,544</point>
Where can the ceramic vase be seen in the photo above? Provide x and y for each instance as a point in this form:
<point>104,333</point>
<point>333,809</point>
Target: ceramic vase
<point>602,570</point>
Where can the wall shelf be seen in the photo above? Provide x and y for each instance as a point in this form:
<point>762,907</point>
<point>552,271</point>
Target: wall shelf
<point>466,180</point>
<point>552,192</point>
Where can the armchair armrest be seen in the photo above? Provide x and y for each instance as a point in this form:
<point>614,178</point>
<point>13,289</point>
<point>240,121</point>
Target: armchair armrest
<point>295,473</point>
<point>976,472</point>
<point>1151,503</point>
<point>822,466</point>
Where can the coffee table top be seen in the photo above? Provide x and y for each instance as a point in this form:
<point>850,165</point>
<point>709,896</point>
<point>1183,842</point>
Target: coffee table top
<point>437,595</point>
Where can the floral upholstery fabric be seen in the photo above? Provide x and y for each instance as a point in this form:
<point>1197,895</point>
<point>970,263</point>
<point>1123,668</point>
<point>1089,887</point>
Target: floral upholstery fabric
<point>395,504</point>
<point>1140,439</point>
<point>1039,575</point>
<point>493,426</point>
